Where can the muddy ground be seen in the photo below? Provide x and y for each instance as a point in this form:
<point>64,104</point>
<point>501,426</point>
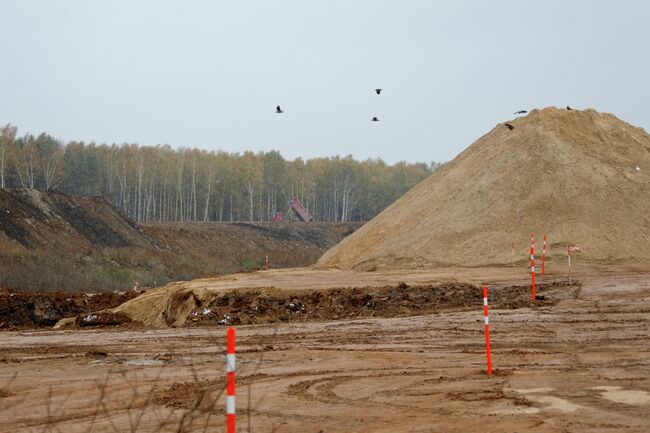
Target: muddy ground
<point>579,361</point>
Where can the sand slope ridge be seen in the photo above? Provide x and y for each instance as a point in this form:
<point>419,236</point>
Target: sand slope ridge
<point>580,176</point>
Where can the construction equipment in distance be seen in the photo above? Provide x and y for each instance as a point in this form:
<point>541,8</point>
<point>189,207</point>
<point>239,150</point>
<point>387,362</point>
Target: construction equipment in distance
<point>299,211</point>
<point>297,207</point>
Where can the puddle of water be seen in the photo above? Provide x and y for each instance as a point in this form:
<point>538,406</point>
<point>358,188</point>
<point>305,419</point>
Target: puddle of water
<point>550,402</point>
<point>517,411</point>
<point>144,362</point>
<point>534,390</point>
<point>619,395</point>
<point>605,388</point>
<point>558,403</point>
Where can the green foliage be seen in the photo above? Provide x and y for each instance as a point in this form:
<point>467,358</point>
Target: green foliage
<point>251,265</point>
<point>158,183</point>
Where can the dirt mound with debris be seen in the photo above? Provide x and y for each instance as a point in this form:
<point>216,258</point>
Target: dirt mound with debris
<point>27,309</point>
<point>275,306</point>
<point>578,176</point>
<point>177,305</point>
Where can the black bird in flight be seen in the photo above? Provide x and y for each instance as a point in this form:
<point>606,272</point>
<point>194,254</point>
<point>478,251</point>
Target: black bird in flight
<point>521,112</point>
<point>374,119</point>
<point>378,91</point>
<point>510,127</point>
<point>569,108</point>
<point>278,110</point>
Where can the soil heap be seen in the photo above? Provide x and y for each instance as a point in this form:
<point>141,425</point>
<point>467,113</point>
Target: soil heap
<point>578,176</point>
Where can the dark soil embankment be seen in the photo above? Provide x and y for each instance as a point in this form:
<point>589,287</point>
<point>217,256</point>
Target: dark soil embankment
<point>26,309</point>
<point>64,223</point>
<point>187,307</point>
<point>273,306</point>
<point>54,241</point>
<point>223,248</point>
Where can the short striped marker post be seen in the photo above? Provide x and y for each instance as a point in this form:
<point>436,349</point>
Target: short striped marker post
<point>487,330</point>
<point>543,255</point>
<point>230,380</point>
<point>532,265</point>
<point>266,262</point>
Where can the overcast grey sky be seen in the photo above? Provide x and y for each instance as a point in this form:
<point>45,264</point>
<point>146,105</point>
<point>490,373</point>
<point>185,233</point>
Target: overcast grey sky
<point>209,74</point>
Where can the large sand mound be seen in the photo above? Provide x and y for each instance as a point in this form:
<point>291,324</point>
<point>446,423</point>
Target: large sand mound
<point>570,174</point>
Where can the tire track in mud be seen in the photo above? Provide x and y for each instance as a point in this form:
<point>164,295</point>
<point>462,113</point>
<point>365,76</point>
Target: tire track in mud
<point>406,390</point>
<point>324,389</point>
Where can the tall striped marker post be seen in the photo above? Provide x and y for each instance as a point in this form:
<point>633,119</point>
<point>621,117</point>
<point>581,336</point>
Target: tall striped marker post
<point>543,254</point>
<point>230,380</point>
<point>266,262</point>
<point>532,264</point>
<point>568,254</point>
<point>487,330</point>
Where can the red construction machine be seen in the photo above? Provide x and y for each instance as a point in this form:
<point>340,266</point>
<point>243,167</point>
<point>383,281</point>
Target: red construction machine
<point>298,209</point>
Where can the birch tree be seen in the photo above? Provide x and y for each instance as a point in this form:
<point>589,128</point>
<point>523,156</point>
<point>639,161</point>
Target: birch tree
<point>7,137</point>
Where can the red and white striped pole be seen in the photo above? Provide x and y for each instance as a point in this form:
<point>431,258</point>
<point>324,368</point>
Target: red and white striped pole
<point>266,262</point>
<point>487,330</point>
<point>532,264</point>
<point>543,254</point>
<point>568,252</point>
<point>230,380</point>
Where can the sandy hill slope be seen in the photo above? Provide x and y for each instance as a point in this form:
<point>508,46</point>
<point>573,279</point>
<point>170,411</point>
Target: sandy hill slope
<point>570,174</point>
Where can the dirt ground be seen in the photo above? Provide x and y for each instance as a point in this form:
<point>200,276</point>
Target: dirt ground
<point>580,361</point>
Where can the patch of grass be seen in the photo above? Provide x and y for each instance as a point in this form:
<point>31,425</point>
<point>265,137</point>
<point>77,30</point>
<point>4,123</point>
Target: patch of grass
<point>251,265</point>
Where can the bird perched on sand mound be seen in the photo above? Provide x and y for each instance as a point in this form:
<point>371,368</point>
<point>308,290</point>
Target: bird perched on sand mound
<point>510,127</point>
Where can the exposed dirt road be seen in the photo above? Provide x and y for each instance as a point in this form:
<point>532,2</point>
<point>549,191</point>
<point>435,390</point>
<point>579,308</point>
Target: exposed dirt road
<point>582,364</point>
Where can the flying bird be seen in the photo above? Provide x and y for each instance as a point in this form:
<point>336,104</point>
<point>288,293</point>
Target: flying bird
<point>521,112</point>
<point>378,91</point>
<point>374,119</point>
<point>278,110</point>
<point>510,127</point>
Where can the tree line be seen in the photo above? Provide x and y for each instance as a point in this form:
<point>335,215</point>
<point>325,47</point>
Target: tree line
<point>159,183</point>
